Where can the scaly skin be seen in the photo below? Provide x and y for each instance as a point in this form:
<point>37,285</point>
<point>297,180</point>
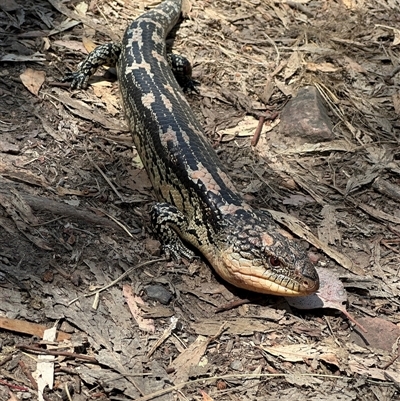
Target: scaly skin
<point>200,204</point>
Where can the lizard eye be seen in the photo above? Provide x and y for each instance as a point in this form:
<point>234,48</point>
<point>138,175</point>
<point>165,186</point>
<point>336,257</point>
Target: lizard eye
<point>274,261</point>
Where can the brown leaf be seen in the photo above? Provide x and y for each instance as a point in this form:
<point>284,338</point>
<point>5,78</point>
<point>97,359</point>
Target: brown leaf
<point>293,352</point>
<point>189,358</point>
<point>381,333</point>
<point>323,67</point>
<point>300,229</point>
<point>33,80</point>
<point>293,64</point>
<point>331,294</point>
<point>396,102</point>
<point>205,396</point>
<point>111,101</point>
<point>71,45</point>
<point>354,66</point>
<point>133,302</point>
<point>88,44</point>
<point>137,180</point>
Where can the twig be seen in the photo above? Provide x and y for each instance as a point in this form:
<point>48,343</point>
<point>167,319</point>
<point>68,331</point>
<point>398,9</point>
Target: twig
<point>28,374</point>
<point>122,276</point>
<point>38,350</point>
<point>5,360</point>
<point>13,386</point>
<point>104,176</point>
<point>258,131</point>
<point>167,332</point>
<point>116,222</point>
<point>232,305</point>
<point>214,378</point>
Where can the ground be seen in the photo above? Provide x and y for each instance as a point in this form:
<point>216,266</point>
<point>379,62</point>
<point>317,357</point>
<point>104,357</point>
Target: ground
<point>75,201</point>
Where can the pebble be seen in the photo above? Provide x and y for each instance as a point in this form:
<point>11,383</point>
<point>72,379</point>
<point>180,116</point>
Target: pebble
<point>236,365</point>
<point>158,293</point>
<point>306,116</point>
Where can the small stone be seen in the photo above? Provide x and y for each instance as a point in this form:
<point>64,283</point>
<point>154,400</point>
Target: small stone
<point>76,278</point>
<point>305,116</point>
<point>158,293</point>
<point>67,328</point>
<point>237,365</point>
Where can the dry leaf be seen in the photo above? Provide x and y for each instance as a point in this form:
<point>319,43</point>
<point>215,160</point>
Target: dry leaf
<point>296,200</point>
<point>12,396</point>
<point>323,67</point>
<point>64,26</point>
<point>293,352</point>
<point>111,101</point>
<point>81,8</point>
<point>326,351</point>
<point>36,57</point>
<point>350,4</point>
<point>302,380</point>
<point>133,302</point>
<point>336,145</point>
<point>396,102</point>
<point>360,180</point>
<point>189,359</point>
<point>396,39</point>
<point>186,8</point>
<point>287,90</point>
<point>328,229</point>
<point>293,64</point>
<point>300,229</point>
<point>137,180</point>
<point>214,15</point>
<point>354,66</point>
<point>88,44</point>
<point>205,396</point>
<point>245,128</point>
<point>71,45</point>
<point>33,80</point>
<point>242,326</point>
<point>331,294</point>
<point>371,372</point>
<point>396,33</point>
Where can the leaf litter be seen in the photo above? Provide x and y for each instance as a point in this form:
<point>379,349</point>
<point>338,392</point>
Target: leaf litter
<point>74,203</point>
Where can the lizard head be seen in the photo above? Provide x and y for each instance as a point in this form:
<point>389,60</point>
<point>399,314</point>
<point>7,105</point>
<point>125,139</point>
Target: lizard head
<point>257,255</point>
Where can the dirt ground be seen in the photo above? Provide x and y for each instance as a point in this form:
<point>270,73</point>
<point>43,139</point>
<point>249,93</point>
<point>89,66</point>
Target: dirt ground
<point>76,248</point>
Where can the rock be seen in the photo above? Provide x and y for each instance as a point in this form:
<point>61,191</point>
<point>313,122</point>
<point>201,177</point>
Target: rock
<point>382,334</point>
<point>305,116</point>
<point>236,365</point>
<point>158,293</point>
